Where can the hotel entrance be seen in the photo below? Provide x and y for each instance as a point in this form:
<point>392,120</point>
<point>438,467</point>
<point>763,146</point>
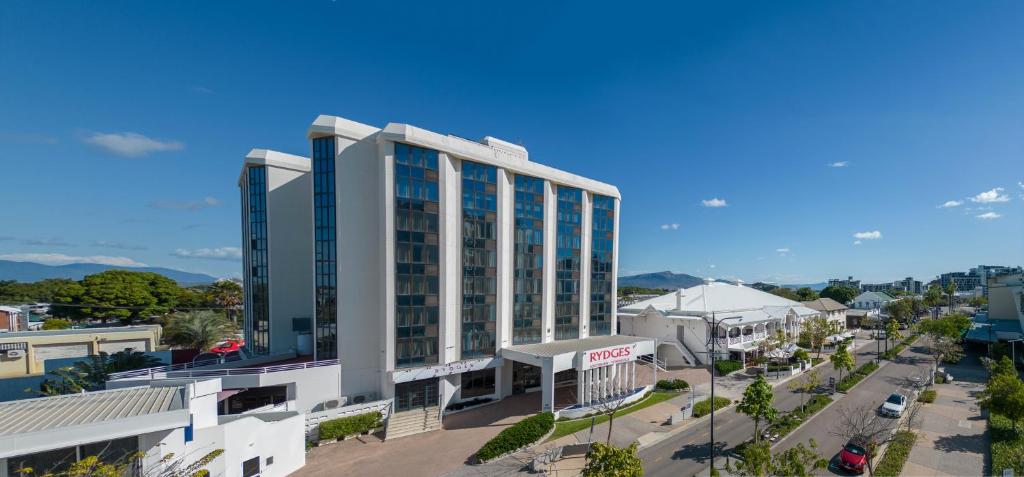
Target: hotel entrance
<point>525,378</point>
<point>416,395</point>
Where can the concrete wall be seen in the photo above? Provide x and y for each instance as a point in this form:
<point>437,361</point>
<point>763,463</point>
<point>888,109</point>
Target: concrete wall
<point>289,232</point>
<point>43,345</point>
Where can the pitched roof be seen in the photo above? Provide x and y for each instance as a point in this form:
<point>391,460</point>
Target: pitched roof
<point>40,414</point>
<point>712,297</point>
<point>824,304</point>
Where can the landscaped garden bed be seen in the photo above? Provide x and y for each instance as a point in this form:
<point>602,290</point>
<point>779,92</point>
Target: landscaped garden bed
<point>672,385</point>
<point>703,408</point>
<point>726,366</point>
<point>896,454</point>
<point>1007,445</point>
<point>517,436</point>
<point>928,395</point>
<point>345,427</point>
<point>565,427</point>
<point>850,381</point>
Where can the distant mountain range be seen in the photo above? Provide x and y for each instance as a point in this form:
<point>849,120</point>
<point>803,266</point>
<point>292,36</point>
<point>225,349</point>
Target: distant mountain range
<point>672,281</point>
<point>813,286</point>
<point>33,272</point>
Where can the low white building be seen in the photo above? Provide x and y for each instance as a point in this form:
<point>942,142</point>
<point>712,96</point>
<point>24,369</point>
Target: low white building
<point>680,321</point>
<point>871,300</point>
<point>49,434</point>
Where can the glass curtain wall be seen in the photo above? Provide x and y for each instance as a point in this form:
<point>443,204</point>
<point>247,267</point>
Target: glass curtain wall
<point>416,256</point>
<point>567,268</point>
<point>257,327</point>
<point>325,249</point>
<point>601,242</point>
<point>528,274</point>
<point>479,258</point>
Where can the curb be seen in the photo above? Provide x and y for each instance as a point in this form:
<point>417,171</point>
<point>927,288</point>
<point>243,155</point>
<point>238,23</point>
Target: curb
<point>661,436</point>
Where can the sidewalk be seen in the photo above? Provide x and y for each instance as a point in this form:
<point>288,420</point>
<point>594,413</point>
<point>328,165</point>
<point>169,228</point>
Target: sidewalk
<point>951,437</point>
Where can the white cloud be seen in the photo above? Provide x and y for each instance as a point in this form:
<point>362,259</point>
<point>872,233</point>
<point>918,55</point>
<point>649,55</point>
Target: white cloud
<point>129,144</point>
<point>61,259</point>
<point>48,242</point>
<point>872,235</point>
<point>190,205</point>
<point>989,196</point>
<point>202,89</point>
<point>838,164</point>
<point>857,242</point>
<point>669,226</point>
<point>1021,184</point>
<point>712,266</point>
<point>715,202</point>
<point>951,203</point>
<point>989,216</point>
<point>782,250</point>
<point>220,253</point>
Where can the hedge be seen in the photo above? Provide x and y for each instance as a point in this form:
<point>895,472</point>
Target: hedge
<point>928,395</point>
<point>896,454</point>
<point>347,426</point>
<point>1007,446</point>
<point>673,384</point>
<point>727,366</point>
<point>855,377</point>
<point>517,436</point>
<point>703,408</point>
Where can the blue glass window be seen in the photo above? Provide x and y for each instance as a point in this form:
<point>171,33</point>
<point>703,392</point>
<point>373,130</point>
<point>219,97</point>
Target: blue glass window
<point>325,249</point>
<point>602,240</point>
<point>528,275</point>
<point>416,256</point>
<point>479,259</point>
<point>257,316</point>
<point>567,263</point>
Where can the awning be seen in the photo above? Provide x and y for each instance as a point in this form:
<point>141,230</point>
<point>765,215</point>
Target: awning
<point>570,353</point>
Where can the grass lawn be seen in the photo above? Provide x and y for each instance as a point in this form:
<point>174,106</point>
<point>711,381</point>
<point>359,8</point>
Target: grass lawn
<point>564,428</point>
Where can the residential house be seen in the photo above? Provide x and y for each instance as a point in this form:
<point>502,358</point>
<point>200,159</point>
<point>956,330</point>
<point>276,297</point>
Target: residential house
<point>871,300</point>
<point>831,310</point>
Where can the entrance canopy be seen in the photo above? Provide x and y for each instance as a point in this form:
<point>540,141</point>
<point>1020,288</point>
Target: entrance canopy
<point>605,365</point>
<point>582,353</point>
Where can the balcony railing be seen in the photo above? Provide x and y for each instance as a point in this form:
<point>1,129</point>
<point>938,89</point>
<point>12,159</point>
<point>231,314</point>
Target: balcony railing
<point>189,370</point>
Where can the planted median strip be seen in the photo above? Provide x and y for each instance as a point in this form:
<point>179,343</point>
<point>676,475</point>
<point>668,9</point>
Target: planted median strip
<point>896,454</point>
<point>566,427</point>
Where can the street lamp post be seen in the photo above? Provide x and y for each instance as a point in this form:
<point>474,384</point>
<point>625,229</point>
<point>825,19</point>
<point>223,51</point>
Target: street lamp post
<point>713,339</point>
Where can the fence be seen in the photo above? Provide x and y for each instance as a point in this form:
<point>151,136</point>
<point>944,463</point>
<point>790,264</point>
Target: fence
<point>313,419</point>
<point>189,370</point>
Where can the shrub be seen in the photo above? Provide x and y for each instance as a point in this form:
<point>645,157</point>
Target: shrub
<point>817,361</point>
<point>896,454</point>
<point>727,366</point>
<point>1007,446</point>
<point>855,377</point>
<point>347,426</point>
<point>940,378</point>
<point>517,436</point>
<point>703,408</point>
<point>673,384</point>
<point>928,395</point>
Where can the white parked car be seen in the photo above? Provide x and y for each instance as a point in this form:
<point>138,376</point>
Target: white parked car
<point>894,406</point>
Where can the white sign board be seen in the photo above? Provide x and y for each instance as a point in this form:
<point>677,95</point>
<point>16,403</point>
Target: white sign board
<point>404,376</point>
<point>606,356</point>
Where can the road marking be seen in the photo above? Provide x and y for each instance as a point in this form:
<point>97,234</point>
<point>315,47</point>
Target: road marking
<point>964,424</point>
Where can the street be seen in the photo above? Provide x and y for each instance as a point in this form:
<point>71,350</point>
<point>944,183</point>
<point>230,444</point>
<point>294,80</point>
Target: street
<point>687,454</point>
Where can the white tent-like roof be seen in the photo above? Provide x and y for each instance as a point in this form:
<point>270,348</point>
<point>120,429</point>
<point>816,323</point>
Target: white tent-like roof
<point>721,299</point>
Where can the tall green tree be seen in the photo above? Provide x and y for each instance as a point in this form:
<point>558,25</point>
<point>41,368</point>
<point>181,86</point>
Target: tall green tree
<point>605,460</point>
<point>1004,394</point>
<point>786,293</point>
<point>842,360</point>
<point>92,373</point>
<point>757,404</point>
<point>198,330</point>
<point>817,330</point>
<point>892,332</point>
<point>757,461</point>
<point>841,294</point>
<point>227,295</point>
<point>933,296</point>
<point>805,384</point>
<point>806,294</point>
<point>118,294</point>
<point>951,293</point>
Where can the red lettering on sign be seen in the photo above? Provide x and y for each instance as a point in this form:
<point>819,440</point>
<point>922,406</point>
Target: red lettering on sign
<point>610,353</point>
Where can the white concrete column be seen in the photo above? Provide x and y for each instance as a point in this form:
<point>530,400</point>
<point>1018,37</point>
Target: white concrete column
<point>604,381</point>
<point>592,384</point>
<point>579,386</point>
<point>585,247</point>
<point>618,377</point>
<point>547,386</point>
<point>449,185</point>
<point>506,261</point>
<point>632,375</point>
<point>550,247</point>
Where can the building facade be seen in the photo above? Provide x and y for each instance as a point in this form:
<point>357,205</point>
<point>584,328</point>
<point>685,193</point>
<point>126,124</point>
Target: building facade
<point>278,269</point>
<point>849,282</point>
<point>436,265</point>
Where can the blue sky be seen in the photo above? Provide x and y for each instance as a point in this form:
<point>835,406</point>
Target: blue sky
<point>123,125</point>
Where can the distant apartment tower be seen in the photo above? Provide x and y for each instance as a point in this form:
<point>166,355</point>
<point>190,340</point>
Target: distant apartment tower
<point>965,282</point>
<point>985,272</point>
<point>908,285</point>
<point>428,257</point>
<point>277,256</point>
<point>849,282</point>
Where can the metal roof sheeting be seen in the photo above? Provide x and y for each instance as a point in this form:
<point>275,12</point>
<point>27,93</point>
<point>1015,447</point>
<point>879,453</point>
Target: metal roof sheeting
<point>40,414</point>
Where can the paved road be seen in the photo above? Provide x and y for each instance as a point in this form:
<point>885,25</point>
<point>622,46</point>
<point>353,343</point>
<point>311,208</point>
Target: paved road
<point>895,376</point>
<point>687,454</point>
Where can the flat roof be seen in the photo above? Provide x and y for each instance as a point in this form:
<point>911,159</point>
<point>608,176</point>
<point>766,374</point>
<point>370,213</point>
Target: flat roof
<point>555,348</point>
<point>80,331</point>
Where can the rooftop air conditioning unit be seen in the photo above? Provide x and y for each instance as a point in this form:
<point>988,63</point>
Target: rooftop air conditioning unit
<point>16,353</point>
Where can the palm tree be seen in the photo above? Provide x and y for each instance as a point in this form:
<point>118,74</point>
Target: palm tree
<point>951,291</point>
<point>198,330</point>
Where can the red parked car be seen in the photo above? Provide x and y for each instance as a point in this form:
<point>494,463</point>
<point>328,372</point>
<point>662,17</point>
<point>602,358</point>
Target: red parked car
<point>228,346</point>
<point>854,457</point>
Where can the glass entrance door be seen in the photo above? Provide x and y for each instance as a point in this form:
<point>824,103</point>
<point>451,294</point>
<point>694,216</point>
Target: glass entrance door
<point>416,395</point>
<point>524,376</point>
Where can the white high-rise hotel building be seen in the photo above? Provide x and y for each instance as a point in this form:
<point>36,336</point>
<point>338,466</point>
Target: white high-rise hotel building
<point>434,268</point>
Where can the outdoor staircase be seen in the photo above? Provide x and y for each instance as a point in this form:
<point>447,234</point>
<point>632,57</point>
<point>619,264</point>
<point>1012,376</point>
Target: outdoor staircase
<point>683,351</point>
<point>407,423</point>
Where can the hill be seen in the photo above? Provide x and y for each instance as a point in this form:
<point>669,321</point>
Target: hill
<point>32,272</point>
<point>666,279</point>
